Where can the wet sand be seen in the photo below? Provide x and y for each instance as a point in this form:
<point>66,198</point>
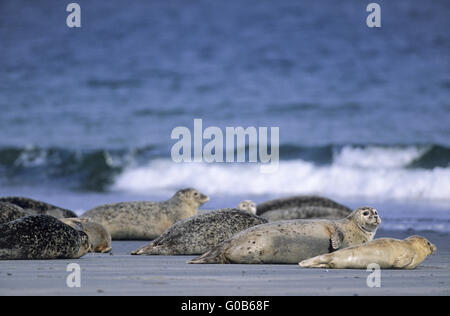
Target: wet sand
<point>123,274</point>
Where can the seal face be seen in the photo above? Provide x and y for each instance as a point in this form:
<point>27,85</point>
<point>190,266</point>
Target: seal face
<point>388,253</point>
<point>302,207</point>
<point>197,234</point>
<point>99,237</point>
<point>40,237</point>
<point>248,206</point>
<point>146,220</point>
<point>34,207</point>
<point>294,240</point>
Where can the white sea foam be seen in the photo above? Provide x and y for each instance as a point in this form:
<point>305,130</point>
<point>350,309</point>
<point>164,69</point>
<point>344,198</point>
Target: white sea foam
<point>293,177</point>
<point>377,156</point>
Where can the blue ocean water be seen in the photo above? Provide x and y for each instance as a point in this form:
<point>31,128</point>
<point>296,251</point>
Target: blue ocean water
<point>364,114</point>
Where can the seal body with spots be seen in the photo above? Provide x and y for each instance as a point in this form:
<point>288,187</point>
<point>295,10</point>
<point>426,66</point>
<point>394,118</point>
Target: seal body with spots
<point>198,234</point>
<point>388,253</point>
<point>302,207</point>
<point>41,237</point>
<point>34,207</point>
<point>99,237</point>
<point>10,212</point>
<point>146,220</point>
<point>292,241</point>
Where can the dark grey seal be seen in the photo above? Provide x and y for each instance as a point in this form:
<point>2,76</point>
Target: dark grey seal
<point>198,234</point>
<point>302,207</point>
<point>41,237</point>
<point>38,208</point>
<point>10,212</point>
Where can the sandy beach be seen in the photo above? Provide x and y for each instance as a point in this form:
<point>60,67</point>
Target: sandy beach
<point>123,274</point>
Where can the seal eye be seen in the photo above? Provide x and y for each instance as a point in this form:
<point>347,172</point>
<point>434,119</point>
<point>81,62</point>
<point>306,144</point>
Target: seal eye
<point>366,213</point>
<point>196,194</point>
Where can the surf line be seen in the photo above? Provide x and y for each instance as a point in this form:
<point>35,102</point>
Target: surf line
<point>224,149</point>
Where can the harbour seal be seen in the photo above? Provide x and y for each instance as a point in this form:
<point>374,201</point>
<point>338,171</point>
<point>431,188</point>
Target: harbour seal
<point>38,208</point>
<point>295,240</point>
<point>248,206</point>
<point>388,253</point>
<point>10,212</point>
<point>41,237</point>
<point>99,237</point>
<point>146,220</point>
<point>197,234</point>
<point>302,207</point>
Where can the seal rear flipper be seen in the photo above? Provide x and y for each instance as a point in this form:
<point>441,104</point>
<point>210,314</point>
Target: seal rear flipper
<point>154,248</point>
<point>316,262</point>
<point>142,251</point>
<point>214,256</point>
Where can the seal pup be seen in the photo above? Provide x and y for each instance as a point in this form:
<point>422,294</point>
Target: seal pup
<point>294,240</point>
<point>41,237</point>
<point>197,234</point>
<point>38,208</point>
<point>302,207</point>
<point>388,253</point>
<point>99,237</point>
<point>10,212</point>
<point>146,220</point>
<point>248,206</point>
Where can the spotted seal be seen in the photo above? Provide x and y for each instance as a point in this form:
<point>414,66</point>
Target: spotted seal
<point>302,207</point>
<point>197,234</point>
<point>38,207</point>
<point>41,237</point>
<point>388,253</point>
<point>146,220</point>
<point>10,212</point>
<point>294,240</point>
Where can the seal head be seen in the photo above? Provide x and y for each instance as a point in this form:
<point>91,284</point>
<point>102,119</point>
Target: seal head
<point>248,206</point>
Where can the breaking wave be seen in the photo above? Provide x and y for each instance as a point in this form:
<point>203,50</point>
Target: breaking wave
<point>398,172</point>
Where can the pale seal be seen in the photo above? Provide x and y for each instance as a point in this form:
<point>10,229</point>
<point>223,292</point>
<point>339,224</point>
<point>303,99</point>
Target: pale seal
<point>197,234</point>
<point>146,220</point>
<point>248,206</point>
<point>38,208</point>
<point>388,253</point>
<point>10,212</point>
<point>41,237</point>
<point>294,240</point>
<point>99,237</point>
<point>302,207</point>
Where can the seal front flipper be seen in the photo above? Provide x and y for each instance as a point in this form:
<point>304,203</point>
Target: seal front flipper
<point>336,240</point>
<point>403,261</point>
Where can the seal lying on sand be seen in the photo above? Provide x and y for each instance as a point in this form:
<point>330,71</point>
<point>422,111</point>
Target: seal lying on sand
<point>99,237</point>
<point>302,207</point>
<point>41,237</point>
<point>146,220</point>
<point>388,253</point>
<point>10,212</point>
<point>295,240</point>
<point>197,234</point>
<point>38,208</point>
